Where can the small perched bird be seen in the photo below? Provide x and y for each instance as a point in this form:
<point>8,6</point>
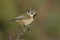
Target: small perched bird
<point>27,18</point>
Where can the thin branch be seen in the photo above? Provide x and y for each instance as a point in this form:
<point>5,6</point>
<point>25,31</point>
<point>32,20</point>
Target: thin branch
<point>21,33</point>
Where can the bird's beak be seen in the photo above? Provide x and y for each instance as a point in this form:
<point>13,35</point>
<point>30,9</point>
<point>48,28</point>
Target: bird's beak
<point>34,15</point>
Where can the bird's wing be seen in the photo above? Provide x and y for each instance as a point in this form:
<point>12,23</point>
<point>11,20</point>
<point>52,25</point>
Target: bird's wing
<point>21,17</point>
<point>25,16</point>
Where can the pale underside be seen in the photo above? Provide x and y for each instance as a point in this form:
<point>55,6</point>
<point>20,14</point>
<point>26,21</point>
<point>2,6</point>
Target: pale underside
<point>25,21</point>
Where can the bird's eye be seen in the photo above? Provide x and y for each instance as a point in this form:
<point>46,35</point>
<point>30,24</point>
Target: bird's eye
<point>31,13</point>
<point>28,10</point>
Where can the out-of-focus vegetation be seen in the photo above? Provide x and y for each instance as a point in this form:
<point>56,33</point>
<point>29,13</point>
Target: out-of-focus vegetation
<point>46,25</point>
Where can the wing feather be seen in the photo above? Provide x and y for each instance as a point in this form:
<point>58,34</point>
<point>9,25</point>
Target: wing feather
<point>21,17</point>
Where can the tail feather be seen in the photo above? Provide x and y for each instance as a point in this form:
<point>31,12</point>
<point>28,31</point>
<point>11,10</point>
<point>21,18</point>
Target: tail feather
<point>13,19</point>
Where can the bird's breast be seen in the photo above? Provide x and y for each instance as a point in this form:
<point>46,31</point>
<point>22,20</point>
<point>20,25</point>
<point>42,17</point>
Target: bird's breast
<point>28,21</point>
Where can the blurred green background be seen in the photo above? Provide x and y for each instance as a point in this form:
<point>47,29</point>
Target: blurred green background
<point>46,25</point>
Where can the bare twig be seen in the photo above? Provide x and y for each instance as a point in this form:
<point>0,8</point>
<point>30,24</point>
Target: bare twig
<point>20,34</point>
<point>10,37</point>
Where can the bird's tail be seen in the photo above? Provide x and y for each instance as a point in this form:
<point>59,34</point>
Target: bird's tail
<point>13,19</point>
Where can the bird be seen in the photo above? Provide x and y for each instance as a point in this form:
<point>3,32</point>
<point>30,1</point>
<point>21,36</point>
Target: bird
<point>27,18</point>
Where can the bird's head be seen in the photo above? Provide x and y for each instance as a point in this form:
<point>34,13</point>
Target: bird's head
<point>31,12</point>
